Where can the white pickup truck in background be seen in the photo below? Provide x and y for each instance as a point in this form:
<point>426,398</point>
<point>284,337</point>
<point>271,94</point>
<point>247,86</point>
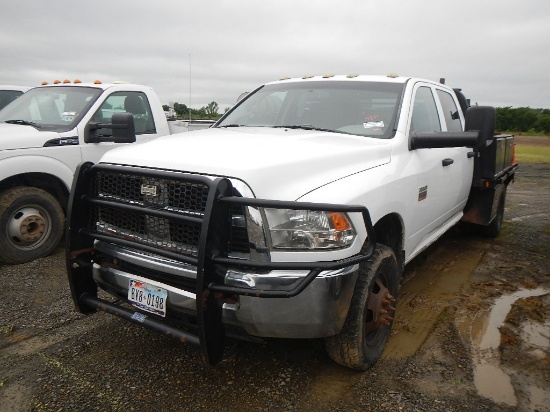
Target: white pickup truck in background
<point>10,93</point>
<point>292,217</point>
<point>44,135</point>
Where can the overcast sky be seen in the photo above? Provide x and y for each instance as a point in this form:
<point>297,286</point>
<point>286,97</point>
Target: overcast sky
<point>195,52</point>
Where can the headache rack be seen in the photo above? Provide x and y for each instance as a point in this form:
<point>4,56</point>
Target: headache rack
<point>183,217</point>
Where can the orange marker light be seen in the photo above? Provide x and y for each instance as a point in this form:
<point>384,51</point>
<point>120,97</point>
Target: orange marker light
<point>56,81</point>
<point>66,81</point>
<point>76,81</point>
<point>339,221</point>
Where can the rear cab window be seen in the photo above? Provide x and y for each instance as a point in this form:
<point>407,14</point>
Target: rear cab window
<point>450,111</point>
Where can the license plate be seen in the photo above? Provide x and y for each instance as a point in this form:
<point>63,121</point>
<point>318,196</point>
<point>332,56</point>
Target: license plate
<point>148,297</point>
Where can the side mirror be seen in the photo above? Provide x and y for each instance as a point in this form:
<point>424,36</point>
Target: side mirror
<point>433,140</point>
<point>482,118</point>
<point>122,125</point>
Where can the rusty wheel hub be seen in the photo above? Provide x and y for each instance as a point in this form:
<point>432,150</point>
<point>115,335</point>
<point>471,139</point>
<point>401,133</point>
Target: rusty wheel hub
<point>380,308</point>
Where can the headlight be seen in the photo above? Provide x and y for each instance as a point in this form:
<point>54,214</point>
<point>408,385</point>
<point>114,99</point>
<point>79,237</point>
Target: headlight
<point>307,229</point>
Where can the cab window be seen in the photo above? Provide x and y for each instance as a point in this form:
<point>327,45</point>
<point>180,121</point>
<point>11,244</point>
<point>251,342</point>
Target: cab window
<point>135,103</point>
<point>424,115</point>
<point>450,111</point>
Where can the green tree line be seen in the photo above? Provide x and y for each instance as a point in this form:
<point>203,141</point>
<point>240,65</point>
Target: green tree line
<point>523,119</point>
<point>210,111</point>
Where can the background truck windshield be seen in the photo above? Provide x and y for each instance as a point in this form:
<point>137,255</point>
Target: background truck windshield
<point>56,108</point>
<point>361,108</point>
<point>8,96</point>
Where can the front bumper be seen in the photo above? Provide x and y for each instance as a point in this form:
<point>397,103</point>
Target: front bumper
<point>319,311</point>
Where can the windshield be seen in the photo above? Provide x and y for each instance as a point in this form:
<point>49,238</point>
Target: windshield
<point>56,108</point>
<point>353,107</point>
<point>8,96</point>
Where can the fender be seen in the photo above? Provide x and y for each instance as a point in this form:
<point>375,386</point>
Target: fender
<point>34,163</point>
<point>381,200</point>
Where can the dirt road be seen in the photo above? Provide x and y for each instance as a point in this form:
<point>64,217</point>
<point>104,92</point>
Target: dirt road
<point>472,332</point>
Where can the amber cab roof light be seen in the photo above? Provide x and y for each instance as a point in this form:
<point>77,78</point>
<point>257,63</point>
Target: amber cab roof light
<point>67,81</point>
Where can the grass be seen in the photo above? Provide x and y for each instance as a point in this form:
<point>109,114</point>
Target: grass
<point>533,154</point>
<point>533,150</point>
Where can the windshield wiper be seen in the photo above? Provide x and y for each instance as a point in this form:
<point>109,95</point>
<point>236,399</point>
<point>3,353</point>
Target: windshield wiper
<point>23,122</point>
<point>231,125</point>
<point>308,127</point>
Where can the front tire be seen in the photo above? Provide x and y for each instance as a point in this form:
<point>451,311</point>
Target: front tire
<point>31,224</point>
<point>368,324</point>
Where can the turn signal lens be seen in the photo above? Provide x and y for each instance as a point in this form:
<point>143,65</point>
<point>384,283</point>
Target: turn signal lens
<point>339,221</point>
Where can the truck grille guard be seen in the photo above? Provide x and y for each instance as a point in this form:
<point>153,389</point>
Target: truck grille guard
<point>90,205</point>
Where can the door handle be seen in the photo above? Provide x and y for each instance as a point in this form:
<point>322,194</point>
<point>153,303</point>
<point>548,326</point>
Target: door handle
<point>447,162</point>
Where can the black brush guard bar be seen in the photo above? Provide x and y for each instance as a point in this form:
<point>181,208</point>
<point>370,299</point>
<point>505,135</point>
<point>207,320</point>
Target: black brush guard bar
<point>212,261</point>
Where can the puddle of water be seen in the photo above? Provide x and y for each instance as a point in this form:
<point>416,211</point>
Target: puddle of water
<point>490,380</point>
<point>493,383</point>
<point>540,399</point>
<point>536,334</point>
<point>491,337</point>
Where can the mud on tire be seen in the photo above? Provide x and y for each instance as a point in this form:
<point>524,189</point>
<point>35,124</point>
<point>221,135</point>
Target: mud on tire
<point>368,324</point>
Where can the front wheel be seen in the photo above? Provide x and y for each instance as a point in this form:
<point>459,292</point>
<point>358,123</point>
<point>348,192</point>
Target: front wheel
<point>368,324</point>
<point>31,224</point>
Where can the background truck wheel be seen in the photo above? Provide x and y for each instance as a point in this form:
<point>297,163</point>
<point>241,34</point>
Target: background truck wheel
<point>31,224</point>
<point>370,317</point>
<point>493,229</point>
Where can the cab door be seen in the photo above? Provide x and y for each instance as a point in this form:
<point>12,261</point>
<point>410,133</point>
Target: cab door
<point>133,102</point>
<point>461,169</point>
<point>440,173</point>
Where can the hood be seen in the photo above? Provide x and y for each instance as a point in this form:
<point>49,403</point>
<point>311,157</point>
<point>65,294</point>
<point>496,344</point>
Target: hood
<point>16,136</point>
<point>276,163</point>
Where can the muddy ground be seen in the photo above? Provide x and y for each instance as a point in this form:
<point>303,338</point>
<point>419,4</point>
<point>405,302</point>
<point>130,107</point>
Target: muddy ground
<point>472,333</point>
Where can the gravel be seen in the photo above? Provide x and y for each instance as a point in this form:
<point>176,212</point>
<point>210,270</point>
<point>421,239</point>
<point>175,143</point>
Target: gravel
<point>54,359</point>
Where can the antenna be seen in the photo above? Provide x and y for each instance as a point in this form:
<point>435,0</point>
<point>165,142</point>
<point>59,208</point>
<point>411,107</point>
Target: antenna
<point>189,90</point>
